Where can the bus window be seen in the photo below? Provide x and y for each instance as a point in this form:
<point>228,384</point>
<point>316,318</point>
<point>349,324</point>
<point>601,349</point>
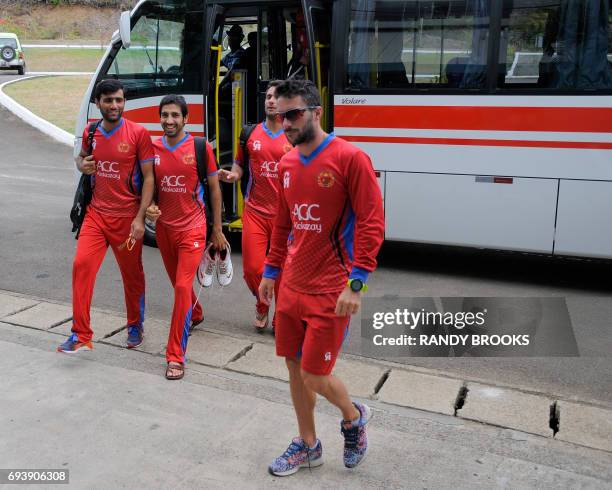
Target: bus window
<point>418,44</point>
<point>166,51</point>
<point>560,45</point>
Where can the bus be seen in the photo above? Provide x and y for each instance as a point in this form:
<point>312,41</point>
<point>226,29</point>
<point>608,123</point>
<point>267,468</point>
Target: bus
<point>489,122</point>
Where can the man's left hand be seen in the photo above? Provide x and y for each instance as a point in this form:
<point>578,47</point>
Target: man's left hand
<point>138,229</point>
<point>348,302</point>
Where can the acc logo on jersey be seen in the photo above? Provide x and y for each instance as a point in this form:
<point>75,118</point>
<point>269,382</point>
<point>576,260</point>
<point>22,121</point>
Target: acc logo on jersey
<point>123,147</point>
<point>188,159</point>
<point>256,145</point>
<point>269,167</point>
<point>107,167</point>
<point>325,179</point>
<point>303,212</point>
<point>286,180</point>
<point>173,180</point>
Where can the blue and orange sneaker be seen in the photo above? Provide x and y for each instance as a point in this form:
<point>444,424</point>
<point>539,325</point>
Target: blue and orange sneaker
<point>298,455</point>
<point>355,436</point>
<point>135,335</point>
<point>72,344</point>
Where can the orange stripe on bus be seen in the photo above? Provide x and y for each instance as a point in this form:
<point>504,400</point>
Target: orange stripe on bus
<point>480,142</point>
<point>559,119</point>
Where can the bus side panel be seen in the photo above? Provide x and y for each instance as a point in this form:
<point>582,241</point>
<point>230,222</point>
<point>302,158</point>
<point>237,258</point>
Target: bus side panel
<point>145,111</point>
<point>583,222</point>
<point>471,211</point>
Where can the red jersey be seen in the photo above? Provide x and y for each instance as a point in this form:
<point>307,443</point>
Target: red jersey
<point>332,204</point>
<point>265,151</point>
<point>180,195</point>
<point>119,154</point>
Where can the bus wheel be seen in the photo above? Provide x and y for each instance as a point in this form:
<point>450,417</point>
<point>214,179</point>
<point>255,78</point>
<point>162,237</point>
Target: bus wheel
<point>149,234</point>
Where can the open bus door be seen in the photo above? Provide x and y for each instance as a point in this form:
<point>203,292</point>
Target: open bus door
<point>248,45</point>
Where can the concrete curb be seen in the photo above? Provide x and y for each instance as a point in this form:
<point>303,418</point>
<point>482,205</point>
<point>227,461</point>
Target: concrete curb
<point>32,119</point>
<point>579,423</point>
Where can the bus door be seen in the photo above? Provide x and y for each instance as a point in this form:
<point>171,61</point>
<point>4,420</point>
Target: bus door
<point>317,16</point>
<point>248,45</point>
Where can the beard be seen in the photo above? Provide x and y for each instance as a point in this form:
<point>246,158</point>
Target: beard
<point>271,116</point>
<point>171,133</point>
<point>112,119</point>
<point>306,135</point>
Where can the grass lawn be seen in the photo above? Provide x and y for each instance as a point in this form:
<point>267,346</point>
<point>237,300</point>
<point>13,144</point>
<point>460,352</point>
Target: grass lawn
<point>56,99</point>
<point>51,59</point>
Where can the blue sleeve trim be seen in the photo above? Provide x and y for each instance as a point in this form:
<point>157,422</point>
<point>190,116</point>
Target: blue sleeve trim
<point>213,173</point>
<point>359,273</point>
<point>147,160</point>
<point>271,272</point>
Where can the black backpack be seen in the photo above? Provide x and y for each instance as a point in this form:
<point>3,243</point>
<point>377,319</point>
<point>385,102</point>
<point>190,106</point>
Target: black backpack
<point>202,166</point>
<point>245,134</point>
<point>84,191</point>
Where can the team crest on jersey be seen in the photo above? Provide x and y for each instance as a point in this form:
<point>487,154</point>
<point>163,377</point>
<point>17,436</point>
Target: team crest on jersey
<point>93,144</point>
<point>256,145</point>
<point>287,147</point>
<point>286,180</point>
<point>325,179</point>
<point>188,159</point>
<point>123,147</point>
<point>157,160</point>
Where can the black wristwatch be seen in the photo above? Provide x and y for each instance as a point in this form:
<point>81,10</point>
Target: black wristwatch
<point>357,285</point>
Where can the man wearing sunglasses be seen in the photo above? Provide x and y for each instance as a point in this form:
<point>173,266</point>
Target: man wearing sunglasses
<point>331,204</point>
<point>265,146</point>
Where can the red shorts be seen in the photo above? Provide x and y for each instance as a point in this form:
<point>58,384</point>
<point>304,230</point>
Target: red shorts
<point>308,329</point>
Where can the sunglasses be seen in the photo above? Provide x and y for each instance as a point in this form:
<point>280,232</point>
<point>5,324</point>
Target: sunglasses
<point>294,114</point>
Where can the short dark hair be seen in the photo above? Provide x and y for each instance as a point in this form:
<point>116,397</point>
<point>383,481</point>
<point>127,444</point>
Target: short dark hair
<point>105,87</point>
<point>179,100</point>
<point>304,88</point>
<point>273,83</point>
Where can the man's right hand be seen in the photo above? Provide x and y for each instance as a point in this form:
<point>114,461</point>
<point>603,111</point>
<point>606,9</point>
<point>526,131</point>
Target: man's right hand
<point>153,212</point>
<point>88,165</point>
<point>266,290</point>
<point>228,176</point>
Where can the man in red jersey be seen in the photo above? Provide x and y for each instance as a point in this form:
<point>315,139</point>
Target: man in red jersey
<point>331,203</point>
<point>122,180</point>
<point>181,221</point>
<point>266,145</point>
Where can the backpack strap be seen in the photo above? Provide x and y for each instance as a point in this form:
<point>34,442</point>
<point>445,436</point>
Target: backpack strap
<point>201,159</point>
<point>245,134</point>
<point>90,135</point>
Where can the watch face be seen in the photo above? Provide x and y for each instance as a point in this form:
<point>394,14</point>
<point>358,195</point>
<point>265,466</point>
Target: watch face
<point>356,285</point>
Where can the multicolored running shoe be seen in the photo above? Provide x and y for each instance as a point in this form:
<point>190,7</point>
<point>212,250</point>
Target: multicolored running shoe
<point>355,436</point>
<point>298,455</point>
<point>135,336</point>
<point>72,344</point>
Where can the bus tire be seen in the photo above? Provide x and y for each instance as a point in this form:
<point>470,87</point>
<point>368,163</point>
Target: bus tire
<point>149,234</point>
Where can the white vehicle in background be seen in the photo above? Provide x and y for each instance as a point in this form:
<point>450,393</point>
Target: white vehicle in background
<point>11,53</point>
<point>489,122</point>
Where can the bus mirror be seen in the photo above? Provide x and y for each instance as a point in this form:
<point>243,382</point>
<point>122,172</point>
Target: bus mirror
<point>125,25</point>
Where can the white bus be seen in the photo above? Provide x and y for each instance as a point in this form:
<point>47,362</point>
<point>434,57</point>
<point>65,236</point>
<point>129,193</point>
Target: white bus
<point>488,121</point>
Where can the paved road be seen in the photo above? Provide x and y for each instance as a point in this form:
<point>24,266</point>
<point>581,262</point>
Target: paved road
<point>110,419</point>
<point>36,249</point>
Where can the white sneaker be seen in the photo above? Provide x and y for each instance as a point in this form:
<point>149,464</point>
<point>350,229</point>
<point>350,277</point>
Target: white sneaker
<point>206,269</point>
<point>225,270</point>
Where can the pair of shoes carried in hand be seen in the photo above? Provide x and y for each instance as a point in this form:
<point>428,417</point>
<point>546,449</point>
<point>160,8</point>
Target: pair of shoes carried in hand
<point>216,263</point>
